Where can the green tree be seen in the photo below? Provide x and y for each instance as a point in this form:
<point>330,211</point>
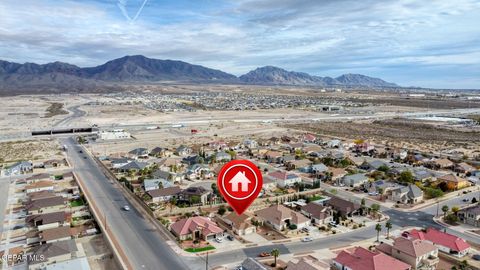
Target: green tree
<point>375,208</point>
<point>275,253</point>
<point>195,199</point>
<point>388,225</point>
<point>221,210</point>
<point>406,177</point>
<point>384,168</point>
<point>445,209</point>
<point>378,228</point>
<point>160,185</point>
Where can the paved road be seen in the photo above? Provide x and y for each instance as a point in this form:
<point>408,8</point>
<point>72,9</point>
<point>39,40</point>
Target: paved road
<point>76,113</point>
<point>139,238</point>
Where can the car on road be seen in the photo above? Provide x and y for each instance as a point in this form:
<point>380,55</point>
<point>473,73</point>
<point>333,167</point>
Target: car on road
<point>80,151</point>
<point>307,239</point>
<point>373,193</point>
<point>476,257</point>
<point>264,254</point>
<point>219,240</point>
<point>231,238</point>
<point>465,200</point>
<point>84,157</point>
<point>126,208</point>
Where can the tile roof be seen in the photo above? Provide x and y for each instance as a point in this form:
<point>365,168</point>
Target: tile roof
<point>363,259</point>
<point>55,233</point>
<point>316,210</point>
<point>440,238</point>
<point>169,191</point>
<point>277,214</point>
<point>413,247</point>
<point>189,225</point>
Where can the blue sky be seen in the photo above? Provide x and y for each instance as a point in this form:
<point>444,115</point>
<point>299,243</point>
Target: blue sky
<point>412,43</point>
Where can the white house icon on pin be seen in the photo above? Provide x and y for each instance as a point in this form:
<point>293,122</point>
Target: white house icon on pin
<point>239,179</point>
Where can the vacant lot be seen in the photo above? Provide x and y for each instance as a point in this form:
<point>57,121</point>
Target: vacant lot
<point>55,109</point>
<point>28,150</point>
<point>399,132</point>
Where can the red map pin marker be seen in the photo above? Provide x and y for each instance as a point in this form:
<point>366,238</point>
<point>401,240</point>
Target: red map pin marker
<point>239,182</point>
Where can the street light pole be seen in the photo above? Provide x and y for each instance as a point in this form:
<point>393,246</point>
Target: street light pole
<point>206,262</point>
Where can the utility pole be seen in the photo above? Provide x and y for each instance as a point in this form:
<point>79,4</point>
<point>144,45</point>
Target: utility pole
<point>206,262</point>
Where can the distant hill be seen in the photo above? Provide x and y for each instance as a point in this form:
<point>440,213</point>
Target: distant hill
<point>64,77</point>
<point>278,76</point>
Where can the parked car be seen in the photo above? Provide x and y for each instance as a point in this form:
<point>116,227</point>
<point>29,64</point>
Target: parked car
<point>126,208</point>
<point>332,223</point>
<point>466,200</point>
<point>264,254</point>
<point>231,238</point>
<point>476,257</point>
<point>307,239</point>
<point>219,240</point>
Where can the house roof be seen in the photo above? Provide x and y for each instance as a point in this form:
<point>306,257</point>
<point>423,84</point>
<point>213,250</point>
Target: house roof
<point>45,202</point>
<point>40,184</point>
<point>356,178</point>
<point>134,165</point>
<point>40,176</point>
<point>363,259</point>
<point>41,195</point>
<point>195,191</point>
<point>440,238</point>
<point>139,151</point>
<point>282,175</point>
<point>443,162</point>
<point>55,233</point>
<point>153,183</point>
<point>252,264</point>
<point>413,247</point>
<point>189,225</point>
<point>46,251</point>
<point>316,210</point>
<point>169,191</point>
<point>342,205</point>
<point>48,218</point>
<point>240,221</point>
<point>277,214</point>
<point>451,178</point>
<point>475,210</point>
<point>306,264</point>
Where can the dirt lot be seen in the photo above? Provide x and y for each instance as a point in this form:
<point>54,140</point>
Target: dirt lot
<point>399,132</point>
<point>28,150</point>
<point>420,103</point>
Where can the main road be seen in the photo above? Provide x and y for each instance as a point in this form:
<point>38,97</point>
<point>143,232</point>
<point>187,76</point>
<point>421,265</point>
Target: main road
<point>139,239</point>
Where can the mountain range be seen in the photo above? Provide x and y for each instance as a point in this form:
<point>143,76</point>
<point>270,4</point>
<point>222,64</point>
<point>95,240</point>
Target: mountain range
<point>140,69</point>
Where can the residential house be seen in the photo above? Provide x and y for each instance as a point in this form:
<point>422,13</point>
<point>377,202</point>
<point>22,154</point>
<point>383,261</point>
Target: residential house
<point>452,182</point>
<point>273,156</point>
<point>318,213</point>
<point>309,138</point>
<point>470,215</point>
<point>183,151</point>
<point>47,254</point>
<point>240,224</point>
<point>250,144</point>
<point>18,168</point>
<point>47,221</point>
<point>40,186</point>
<point>410,194</point>
<point>196,228</point>
<point>133,166</point>
<point>423,174</point>
<point>280,217</point>
<point>46,205</point>
<point>151,184</point>
<point>372,165</point>
<point>355,180</point>
<point>252,264</point>
<point>343,207</point>
<point>311,148</point>
<point>55,234</point>
<point>334,143</point>
<point>38,177</point>
<point>192,194</point>
<point>362,259</point>
<point>200,171</point>
<point>164,194</point>
<point>161,152</point>
<point>464,168</point>
<point>442,163</point>
<point>302,165</point>
<point>318,169</point>
<point>222,156</point>
<point>269,183</point>
<point>285,179</point>
<point>417,253</point>
<point>445,242</point>
<point>337,173</point>
<point>139,153</point>
<point>120,162</point>
<point>305,263</point>
<point>364,147</point>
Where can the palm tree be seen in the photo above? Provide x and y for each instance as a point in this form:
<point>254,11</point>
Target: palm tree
<point>275,253</point>
<point>388,225</point>
<point>445,210</point>
<point>378,228</point>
